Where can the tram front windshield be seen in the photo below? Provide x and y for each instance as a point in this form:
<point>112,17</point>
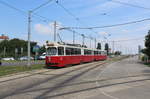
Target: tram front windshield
<point>52,51</point>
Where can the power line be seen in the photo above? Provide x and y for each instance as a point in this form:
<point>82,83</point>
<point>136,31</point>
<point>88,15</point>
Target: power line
<point>12,7</point>
<point>126,40</point>
<point>90,28</point>
<point>65,9</point>
<point>45,3</point>
<point>42,18</point>
<point>71,30</point>
<point>128,4</point>
<point>114,25</point>
<point>71,14</point>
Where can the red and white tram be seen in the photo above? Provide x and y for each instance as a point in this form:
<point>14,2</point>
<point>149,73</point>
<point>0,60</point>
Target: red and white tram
<point>61,55</point>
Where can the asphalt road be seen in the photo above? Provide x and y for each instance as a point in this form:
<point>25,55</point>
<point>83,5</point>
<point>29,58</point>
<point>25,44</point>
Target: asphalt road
<point>126,79</point>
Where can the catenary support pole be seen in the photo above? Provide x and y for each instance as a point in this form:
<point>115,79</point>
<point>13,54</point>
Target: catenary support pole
<point>29,37</point>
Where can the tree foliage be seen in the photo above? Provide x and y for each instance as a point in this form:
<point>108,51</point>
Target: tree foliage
<point>99,46</point>
<point>117,52</point>
<point>147,45</point>
<point>14,44</point>
<point>42,49</point>
<point>107,48</point>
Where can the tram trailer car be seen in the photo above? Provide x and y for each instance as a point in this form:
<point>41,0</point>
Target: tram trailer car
<point>59,55</point>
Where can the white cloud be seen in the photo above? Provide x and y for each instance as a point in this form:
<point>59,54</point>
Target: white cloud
<point>43,29</point>
<point>46,29</point>
<point>102,33</point>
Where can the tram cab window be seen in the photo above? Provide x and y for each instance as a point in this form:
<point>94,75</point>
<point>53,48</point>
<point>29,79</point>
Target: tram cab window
<point>60,50</point>
<point>52,51</point>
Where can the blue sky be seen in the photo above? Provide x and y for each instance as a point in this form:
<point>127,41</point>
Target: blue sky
<point>90,13</point>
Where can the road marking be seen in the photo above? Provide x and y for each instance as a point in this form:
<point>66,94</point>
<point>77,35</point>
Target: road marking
<point>108,95</point>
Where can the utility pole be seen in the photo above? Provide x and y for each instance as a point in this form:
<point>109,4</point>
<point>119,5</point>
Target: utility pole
<point>29,29</point>
<point>139,52</point>
<point>55,34</point>
<point>4,52</point>
<point>113,47</point>
<point>73,37</point>
<point>21,51</point>
<point>90,42</point>
<point>95,43</point>
<point>29,37</point>
<point>83,37</point>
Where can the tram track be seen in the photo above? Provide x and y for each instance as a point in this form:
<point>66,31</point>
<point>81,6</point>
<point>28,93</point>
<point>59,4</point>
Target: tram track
<point>22,89</point>
<point>83,68</point>
<point>70,79</point>
<point>32,73</point>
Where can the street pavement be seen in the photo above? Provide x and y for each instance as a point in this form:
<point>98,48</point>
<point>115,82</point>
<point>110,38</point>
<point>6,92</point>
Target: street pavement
<point>126,79</point>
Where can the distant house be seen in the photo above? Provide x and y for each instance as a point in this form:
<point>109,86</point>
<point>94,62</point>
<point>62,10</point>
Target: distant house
<point>3,37</point>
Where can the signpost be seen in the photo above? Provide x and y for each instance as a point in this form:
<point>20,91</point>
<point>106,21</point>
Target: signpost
<point>36,49</point>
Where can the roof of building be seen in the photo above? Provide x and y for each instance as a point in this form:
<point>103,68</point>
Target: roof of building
<point>4,37</point>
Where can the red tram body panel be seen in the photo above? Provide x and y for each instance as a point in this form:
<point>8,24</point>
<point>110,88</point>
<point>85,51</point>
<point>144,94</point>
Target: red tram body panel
<point>62,55</point>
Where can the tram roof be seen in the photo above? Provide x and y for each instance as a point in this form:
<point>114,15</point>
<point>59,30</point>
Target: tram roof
<point>54,44</point>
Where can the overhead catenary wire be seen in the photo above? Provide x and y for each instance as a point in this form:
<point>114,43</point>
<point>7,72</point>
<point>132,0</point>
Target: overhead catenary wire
<point>44,19</point>
<point>128,4</point>
<point>71,30</point>
<point>40,17</point>
<point>105,26</point>
<point>45,3</point>
<point>114,25</point>
<point>74,16</point>
<point>126,40</point>
<point>12,7</point>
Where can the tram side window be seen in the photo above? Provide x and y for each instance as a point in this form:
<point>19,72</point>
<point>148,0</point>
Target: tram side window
<point>99,52</point>
<point>77,51</point>
<point>95,52</point>
<point>68,51</point>
<point>102,52</point>
<point>60,50</point>
<point>87,52</point>
<point>72,51</point>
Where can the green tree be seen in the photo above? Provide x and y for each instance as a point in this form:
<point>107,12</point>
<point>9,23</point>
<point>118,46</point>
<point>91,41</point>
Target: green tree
<point>42,49</point>
<point>107,48</point>
<point>14,44</point>
<point>99,46</point>
<point>118,53</point>
<point>147,45</point>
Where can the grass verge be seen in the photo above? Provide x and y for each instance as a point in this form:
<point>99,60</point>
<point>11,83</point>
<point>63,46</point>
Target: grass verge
<point>16,61</point>
<point>6,70</point>
<point>148,64</point>
<point>118,58</point>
